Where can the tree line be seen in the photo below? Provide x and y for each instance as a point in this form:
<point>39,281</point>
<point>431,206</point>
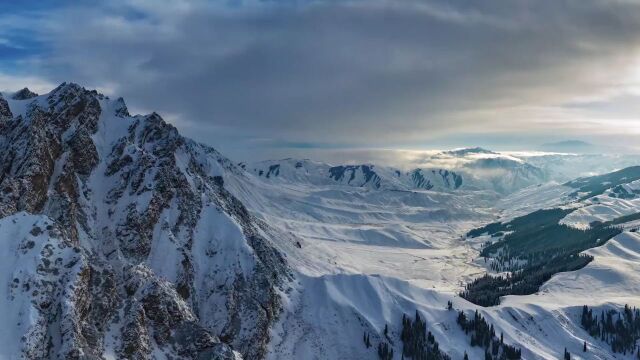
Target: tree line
<point>532,248</point>
<point>417,342</point>
<point>487,290</point>
<point>619,329</point>
<point>483,335</point>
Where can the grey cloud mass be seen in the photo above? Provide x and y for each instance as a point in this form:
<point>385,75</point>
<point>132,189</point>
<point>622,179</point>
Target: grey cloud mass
<point>248,77</point>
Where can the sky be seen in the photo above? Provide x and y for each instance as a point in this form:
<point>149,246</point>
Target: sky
<point>340,80</point>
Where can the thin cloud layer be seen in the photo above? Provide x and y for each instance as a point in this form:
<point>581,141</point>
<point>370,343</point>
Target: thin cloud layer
<point>354,73</point>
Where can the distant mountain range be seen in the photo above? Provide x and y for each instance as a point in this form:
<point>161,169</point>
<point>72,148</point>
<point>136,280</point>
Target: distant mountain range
<point>450,170</point>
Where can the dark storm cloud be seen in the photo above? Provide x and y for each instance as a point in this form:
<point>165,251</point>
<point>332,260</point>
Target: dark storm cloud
<point>357,73</point>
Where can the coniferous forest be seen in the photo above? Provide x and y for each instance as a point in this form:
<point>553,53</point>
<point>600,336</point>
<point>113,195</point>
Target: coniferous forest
<point>620,329</point>
<point>483,335</point>
<point>418,343</point>
<point>536,246</point>
<point>487,290</point>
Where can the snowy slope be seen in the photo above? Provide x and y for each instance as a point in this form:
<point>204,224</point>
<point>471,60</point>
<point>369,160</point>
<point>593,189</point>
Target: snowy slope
<point>362,270</point>
<point>40,268</point>
<point>327,317</point>
<point>327,314</point>
<point>369,255</point>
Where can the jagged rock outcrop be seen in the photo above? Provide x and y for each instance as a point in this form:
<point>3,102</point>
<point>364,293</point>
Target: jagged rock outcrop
<point>24,94</point>
<point>161,257</point>
<point>425,179</point>
<point>365,175</point>
<point>5,112</point>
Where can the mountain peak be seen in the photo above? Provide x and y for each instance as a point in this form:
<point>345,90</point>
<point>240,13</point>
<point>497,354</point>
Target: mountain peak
<point>67,159</point>
<point>24,94</point>
<point>71,88</point>
<point>120,108</point>
<point>469,150</point>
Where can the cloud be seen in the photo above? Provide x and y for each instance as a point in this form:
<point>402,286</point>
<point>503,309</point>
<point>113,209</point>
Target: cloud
<point>9,83</point>
<point>350,73</point>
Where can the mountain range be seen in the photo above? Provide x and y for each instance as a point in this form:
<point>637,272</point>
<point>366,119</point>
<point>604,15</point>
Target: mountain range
<point>123,239</point>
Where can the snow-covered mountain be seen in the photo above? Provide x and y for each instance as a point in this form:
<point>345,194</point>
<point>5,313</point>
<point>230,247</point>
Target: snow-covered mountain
<point>120,240</point>
<point>123,239</point>
<point>463,169</point>
<point>450,170</point>
<point>365,175</point>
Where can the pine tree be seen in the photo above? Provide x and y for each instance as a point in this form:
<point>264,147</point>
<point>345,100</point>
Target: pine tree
<point>584,347</point>
<point>487,355</point>
<point>567,355</point>
<point>466,357</point>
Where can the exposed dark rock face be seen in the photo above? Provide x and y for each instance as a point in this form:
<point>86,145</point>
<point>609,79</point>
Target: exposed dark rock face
<point>129,202</point>
<point>448,179</point>
<point>24,94</point>
<point>348,173</point>
<point>420,181</point>
<point>273,169</point>
<point>364,176</point>
<point>5,112</point>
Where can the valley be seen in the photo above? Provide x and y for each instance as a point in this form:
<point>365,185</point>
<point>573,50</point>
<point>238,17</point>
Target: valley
<point>401,250</point>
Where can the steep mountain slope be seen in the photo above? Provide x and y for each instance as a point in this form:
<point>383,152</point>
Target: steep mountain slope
<point>135,248</point>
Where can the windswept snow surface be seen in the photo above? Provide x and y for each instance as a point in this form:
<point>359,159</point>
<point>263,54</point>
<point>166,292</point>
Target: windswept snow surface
<point>607,207</point>
<point>340,229</point>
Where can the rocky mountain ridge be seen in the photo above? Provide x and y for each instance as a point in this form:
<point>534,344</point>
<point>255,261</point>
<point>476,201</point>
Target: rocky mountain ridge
<point>139,249</point>
<point>364,175</point>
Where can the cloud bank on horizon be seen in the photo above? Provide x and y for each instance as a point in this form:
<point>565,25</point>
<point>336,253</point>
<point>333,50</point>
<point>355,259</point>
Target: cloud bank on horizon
<point>273,78</point>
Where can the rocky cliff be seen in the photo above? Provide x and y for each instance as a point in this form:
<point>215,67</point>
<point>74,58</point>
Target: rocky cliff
<point>129,242</point>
